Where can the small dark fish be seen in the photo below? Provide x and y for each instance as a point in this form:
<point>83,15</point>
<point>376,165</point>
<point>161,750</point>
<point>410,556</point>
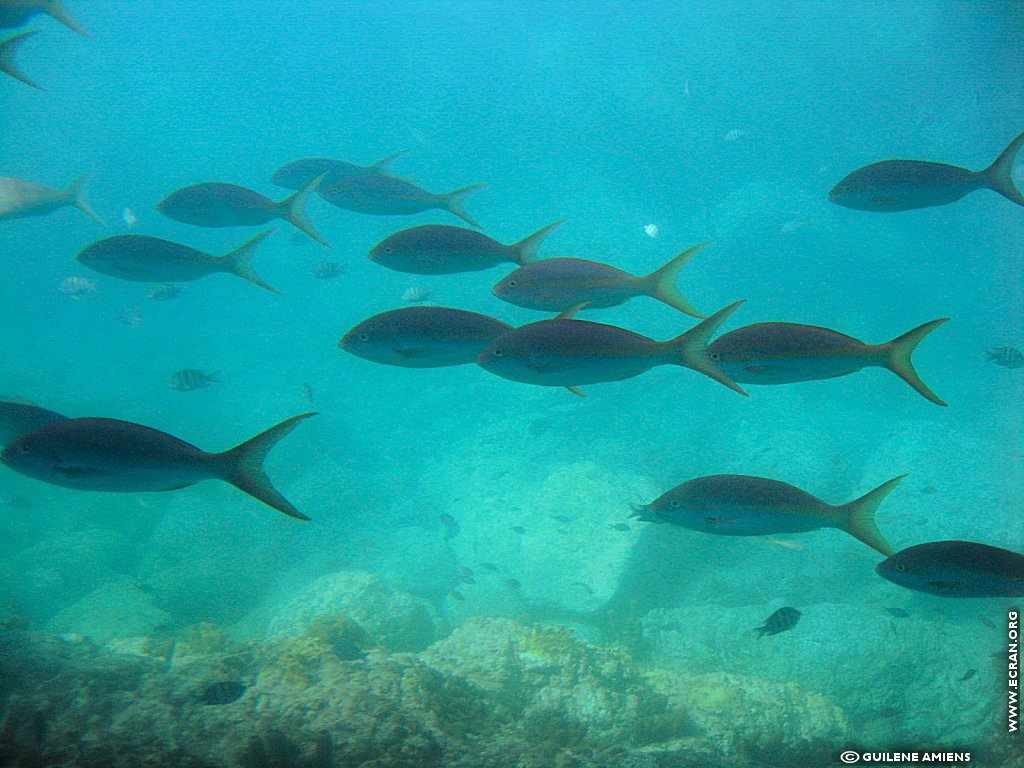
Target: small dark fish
<point>743,505</point>
<point>299,173</point>
<point>585,587</point>
<point>465,570</point>
<point>326,270</point>
<point>967,675</point>
<point>451,526</point>
<point>901,185</point>
<point>928,490</point>
<point>784,353</point>
<point>19,199</point>
<point>467,579</point>
<point>423,337</point>
<point>780,621</point>
<point>17,419</point>
<point>307,392</point>
<point>223,692</point>
<point>489,567</point>
<point>438,249</point>
<point>1008,357</point>
<point>562,518</point>
<point>621,527</point>
<point>518,529</point>
<point>897,613</point>
<point>214,204</point>
<point>189,379</point>
<point>378,195</point>
<point>513,584</point>
<point>553,285</point>
<point>565,352</point>
<point>14,13</point>
<point>95,454</point>
<point>145,259</point>
<point>456,595</point>
<point>987,622</point>
<point>956,569</point>
<point>166,292</point>
<point>539,427</point>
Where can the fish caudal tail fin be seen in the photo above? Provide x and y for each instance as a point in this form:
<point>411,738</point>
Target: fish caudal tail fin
<point>998,175</point>
<point>239,261</point>
<point>898,352</point>
<point>293,210</point>
<point>692,348</point>
<point>76,195</point>
<point>526,249</point>
<point>383,166</point>
<point>7,63</point>
<point>452,202</point>
<point>56,9</point>
<point>858,517</point>
<point>662,283</point>
<point>243,466</point>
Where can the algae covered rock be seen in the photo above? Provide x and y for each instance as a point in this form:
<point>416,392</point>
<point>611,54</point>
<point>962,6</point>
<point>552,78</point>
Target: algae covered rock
<point>395,620</point>
<point>119,609</point>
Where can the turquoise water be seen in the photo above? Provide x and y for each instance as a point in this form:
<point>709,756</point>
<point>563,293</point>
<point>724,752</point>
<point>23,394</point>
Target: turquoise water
<point>724,123</point>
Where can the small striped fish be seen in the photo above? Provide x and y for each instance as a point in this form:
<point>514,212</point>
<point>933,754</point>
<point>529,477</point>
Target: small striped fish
<point>188,379</point>
<point>1008,357</point>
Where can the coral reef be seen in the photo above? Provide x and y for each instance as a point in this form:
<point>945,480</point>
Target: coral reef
<point>394,619</point>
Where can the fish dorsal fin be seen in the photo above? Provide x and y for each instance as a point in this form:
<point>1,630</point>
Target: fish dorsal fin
<point>567,314</point>
<point>383,166</point>
<point>858,517</point>
<point>576,391</point>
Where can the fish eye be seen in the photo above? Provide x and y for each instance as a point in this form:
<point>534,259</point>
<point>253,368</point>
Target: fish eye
<point>674,503</point>
<point>497,353</point>
<point>511,283</point>
<point>364,337</point>
<point>715,356</point>
<point>901,567</point>
<point>388,249</point>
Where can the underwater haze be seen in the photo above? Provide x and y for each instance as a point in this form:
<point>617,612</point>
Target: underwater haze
<point>484,579</point>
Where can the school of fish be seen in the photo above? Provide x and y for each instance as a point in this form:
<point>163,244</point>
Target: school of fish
<point>96,453</point>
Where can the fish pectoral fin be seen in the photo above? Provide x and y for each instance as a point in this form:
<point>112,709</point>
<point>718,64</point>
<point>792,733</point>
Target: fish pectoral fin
<point>410,352</point>
<point>758,368</point>
<point>719,520</point>
<point>576,391</point>
<point>948,585</point>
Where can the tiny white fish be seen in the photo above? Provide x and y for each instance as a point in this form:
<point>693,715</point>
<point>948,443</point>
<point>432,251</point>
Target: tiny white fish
<point>417,295</point>
<point>686,89</point>
<point>130,316</point>
<point>129,218</point>
<point>651,230</point>
<point>76,287</point>
<point>734,135</point>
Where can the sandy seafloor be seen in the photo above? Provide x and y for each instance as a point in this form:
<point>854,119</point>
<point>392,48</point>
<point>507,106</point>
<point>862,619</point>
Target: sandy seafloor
<point>357,635</point>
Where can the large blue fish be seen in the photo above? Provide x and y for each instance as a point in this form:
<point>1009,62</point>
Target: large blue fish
<point>902,185</point>
<point>215,204</point>
<point>742,505</point>
<point>423,337</point>
<point>784,353</point>
<point>956,569</point>
<point>298,173</point>
<point>17,419</point>
<point>95,454</point>
<point>565,352</point>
